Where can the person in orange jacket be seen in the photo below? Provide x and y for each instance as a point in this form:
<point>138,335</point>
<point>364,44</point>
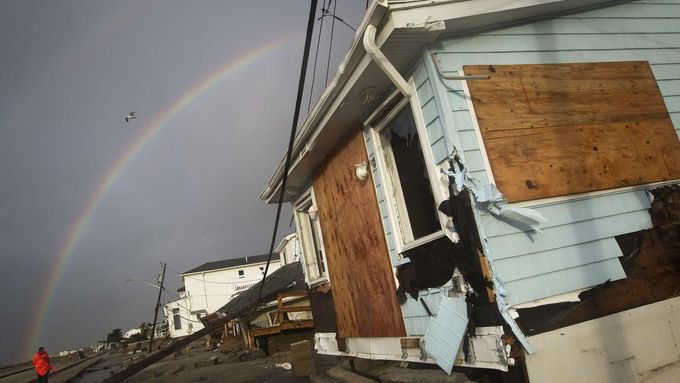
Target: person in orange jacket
<point>41,362</point>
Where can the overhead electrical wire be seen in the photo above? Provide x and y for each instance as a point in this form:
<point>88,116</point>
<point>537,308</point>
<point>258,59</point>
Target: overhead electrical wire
<point>316,55</point>
<point>330,44</point>
<point>293,130</point>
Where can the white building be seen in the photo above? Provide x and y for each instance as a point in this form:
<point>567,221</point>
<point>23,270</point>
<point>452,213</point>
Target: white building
<point>289,249</point>
<point>132,332</point>
<point>209,287</point>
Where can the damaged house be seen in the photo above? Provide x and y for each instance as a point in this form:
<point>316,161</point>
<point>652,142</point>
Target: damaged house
<point>493,185</point>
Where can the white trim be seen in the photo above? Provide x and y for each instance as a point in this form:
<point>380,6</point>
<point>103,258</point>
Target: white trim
<point>437,192</point>
<point>423,240</point>
<point>392,186</point>
<point>387,187</point>
<point>389,348</point>
<point>369,121</point>
<point>308,198</point>
<point>586,195</point>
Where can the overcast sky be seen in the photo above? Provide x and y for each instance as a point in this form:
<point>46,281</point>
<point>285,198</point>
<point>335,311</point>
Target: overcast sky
<point>69,73</point>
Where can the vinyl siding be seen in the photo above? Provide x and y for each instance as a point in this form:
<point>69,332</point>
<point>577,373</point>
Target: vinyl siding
<point>577,248</point>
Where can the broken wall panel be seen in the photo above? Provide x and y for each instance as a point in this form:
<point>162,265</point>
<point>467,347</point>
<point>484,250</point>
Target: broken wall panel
<point>605,216</point>
<point>559,129</point>
<point>364,291</point>
<point>652,262</point>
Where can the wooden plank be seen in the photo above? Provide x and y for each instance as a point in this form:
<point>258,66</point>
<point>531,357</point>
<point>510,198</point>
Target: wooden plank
<point>297,324</point>
<point>293,294</point>
<point>364,291</point>
<point>295,309</point>
<point>264,331</point>
<point>560,129</point>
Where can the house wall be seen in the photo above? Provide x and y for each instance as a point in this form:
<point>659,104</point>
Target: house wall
<point>361,276</point>
<point>188,325</point>
<point>577,248</point>
<point>289,249</point>
<point>630,346</point>
<point>416,318</point>
<point>211,290</point>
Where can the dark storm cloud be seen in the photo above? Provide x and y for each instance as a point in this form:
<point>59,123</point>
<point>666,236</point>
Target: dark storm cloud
<point>69,71</point>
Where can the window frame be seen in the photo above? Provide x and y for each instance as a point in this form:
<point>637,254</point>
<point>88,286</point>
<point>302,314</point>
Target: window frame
<point>301,207</point>
<point>396,209</point>
<point>177,324</point>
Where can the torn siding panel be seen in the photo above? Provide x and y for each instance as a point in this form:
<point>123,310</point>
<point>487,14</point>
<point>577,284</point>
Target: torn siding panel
<point>416,317</point>
<point>531,265</point>
<point>445,332</point>
<point>563,281</point>
<point>584,221</point>
<point>520,243</point>
<point>576,211</point>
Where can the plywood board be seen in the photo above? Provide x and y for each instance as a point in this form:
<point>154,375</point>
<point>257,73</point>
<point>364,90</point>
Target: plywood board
<point>361,275</point>
<point>559,129</point>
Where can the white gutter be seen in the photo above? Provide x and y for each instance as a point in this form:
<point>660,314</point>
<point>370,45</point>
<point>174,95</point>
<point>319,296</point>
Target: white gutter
<point>392,73</point>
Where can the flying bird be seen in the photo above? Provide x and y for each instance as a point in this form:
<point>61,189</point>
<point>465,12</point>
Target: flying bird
<point>130,116</point>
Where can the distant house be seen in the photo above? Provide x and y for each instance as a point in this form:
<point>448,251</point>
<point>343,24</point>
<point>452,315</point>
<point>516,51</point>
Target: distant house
<point>272,315</point>
<point>512,163</point>
<point>209,287</point>
<point>289,249</point>
<point>132,332</point>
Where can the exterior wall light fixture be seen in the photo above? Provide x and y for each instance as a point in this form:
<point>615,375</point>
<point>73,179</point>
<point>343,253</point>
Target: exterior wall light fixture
<point>361,171</point>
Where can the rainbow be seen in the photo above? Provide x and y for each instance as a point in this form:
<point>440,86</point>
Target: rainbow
<point>77,228</point>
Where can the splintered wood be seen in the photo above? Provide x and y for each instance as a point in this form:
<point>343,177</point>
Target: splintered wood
<point>364,291</point>
<point>559,129</point>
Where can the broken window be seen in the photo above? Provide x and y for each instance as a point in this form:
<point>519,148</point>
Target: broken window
<point>412,199</point>
<point>309,229</point>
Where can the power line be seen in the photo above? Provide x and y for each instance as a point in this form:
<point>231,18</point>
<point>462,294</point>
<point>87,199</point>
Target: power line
<point>316,55</point>
<point>291,141</point>
<point>330,44</point>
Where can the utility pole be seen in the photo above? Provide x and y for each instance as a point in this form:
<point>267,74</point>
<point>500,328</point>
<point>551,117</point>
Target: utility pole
<point>161,279</point>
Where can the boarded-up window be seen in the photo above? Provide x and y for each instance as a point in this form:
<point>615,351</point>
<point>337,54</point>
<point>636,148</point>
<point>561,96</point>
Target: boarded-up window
<point>560,129</point>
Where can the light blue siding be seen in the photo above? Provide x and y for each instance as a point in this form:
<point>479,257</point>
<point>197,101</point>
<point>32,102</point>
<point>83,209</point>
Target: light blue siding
<point>445,332</point>
<point>577,248</point>
<point>546,285</point>
<point>431,112</point>
<point>416,318</point>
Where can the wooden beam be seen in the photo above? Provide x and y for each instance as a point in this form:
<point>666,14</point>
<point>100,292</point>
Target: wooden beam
<point>289,309</point>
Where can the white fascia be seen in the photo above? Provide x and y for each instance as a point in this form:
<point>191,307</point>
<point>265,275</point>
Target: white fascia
<point>324,106</point>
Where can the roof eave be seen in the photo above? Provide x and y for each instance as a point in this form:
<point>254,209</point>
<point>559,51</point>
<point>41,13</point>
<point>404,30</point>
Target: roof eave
<point>374,15</point>
<point>459,17</point>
